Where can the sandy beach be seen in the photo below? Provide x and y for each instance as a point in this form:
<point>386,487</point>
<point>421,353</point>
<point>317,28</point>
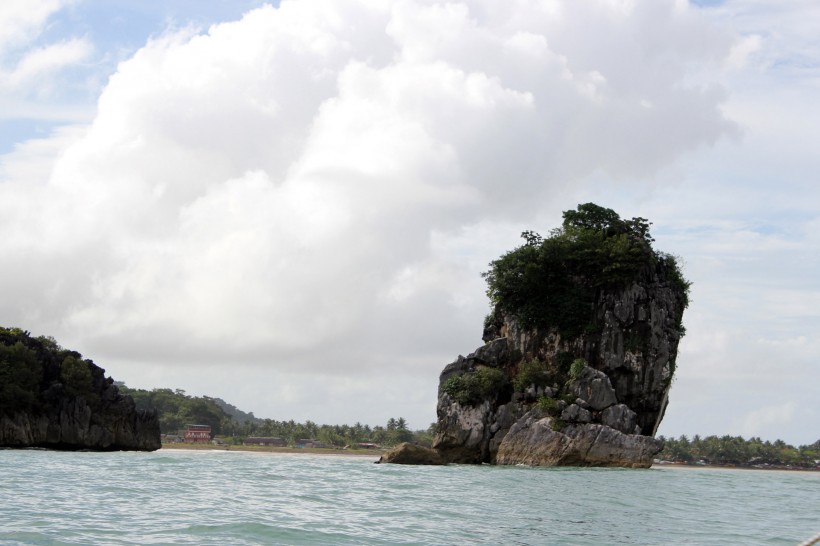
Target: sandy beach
<point>371,453</point>
<point>731,468</point>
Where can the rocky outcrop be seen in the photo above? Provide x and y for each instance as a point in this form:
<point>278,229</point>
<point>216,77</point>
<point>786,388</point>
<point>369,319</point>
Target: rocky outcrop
<point>74,425</point>
<point>532,441</point>
<point>596,398</point>
<point>52,398</point>
<point>407,453</point>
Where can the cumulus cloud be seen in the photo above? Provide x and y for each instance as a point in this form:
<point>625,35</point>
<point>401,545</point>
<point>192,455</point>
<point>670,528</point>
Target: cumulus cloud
<point>300,190</point>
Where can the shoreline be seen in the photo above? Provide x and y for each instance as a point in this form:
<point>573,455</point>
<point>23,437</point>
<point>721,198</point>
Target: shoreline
<point>376,454</point>
<point>274,450</point>
<point>678,466</point>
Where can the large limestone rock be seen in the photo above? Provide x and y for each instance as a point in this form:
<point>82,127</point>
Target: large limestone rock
<point>603,413</point>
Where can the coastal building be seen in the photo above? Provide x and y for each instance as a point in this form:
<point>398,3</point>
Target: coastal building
<point>198,434</point>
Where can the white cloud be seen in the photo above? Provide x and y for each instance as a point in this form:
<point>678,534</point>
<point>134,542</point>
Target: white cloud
<point>741,51</point>
<point>42,62</point>
<point>308,195</point>
<point>760,421</point>
<point>32,162</point>
<point>23,20</point>
<point>40,72</point>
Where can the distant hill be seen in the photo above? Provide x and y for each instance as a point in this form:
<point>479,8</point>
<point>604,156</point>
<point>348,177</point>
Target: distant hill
<point>177,409</point>
<point>237,414</point>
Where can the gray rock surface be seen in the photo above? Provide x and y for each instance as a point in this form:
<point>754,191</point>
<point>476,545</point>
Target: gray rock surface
<point>576,414</point>
<point>532,441</point>
<point>619,417</point>
<point>594,388</point>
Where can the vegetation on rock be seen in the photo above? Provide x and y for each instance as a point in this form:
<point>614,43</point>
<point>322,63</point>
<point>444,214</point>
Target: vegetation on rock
<point>472,388</point>
<point>36,374</point>
<point>533,373</point>
<point>549,405</point>
<point>577,368</point>
<point>554,281</point>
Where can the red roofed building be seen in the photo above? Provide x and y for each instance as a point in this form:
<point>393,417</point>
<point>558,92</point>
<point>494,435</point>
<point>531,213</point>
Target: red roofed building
<point>198,434</point>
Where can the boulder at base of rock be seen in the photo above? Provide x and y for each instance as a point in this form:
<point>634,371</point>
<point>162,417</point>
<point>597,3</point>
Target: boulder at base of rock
<point>532,441</point>
<point>407,453</point>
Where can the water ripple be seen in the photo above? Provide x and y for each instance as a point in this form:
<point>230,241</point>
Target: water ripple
<point>178,497</point>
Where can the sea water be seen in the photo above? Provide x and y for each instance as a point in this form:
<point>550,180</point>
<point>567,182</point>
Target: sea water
<point>226,497</point>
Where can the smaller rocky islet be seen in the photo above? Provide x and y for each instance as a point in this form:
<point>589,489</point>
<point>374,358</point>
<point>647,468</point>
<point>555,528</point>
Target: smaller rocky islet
<point>51,397</point>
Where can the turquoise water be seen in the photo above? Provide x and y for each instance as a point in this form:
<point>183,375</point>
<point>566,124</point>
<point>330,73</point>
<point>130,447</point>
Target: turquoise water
<point>176,497</point>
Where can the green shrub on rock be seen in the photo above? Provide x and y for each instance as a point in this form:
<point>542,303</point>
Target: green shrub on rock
<point>472,388</point>
<point>577,368</point>
<point>549,406</point>
<point>20,375</point>
<point>75,374</point>
<point>557,424</point>
<point>533,372</point>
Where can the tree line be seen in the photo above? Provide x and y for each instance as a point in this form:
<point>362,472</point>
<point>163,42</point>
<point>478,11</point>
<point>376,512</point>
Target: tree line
<point>177,409</point>
<point>736,451</point>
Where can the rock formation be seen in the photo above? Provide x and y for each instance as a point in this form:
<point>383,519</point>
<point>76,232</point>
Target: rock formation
<point>52,398</point>
<point>579,351</point>
<point>407,453</point>
<point>604,414</point>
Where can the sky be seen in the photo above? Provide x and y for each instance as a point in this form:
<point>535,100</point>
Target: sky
<point>290,206</point>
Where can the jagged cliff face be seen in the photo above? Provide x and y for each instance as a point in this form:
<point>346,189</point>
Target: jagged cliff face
<point>596,398</point>
<point>52,398</point>
<point>73,424</point>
